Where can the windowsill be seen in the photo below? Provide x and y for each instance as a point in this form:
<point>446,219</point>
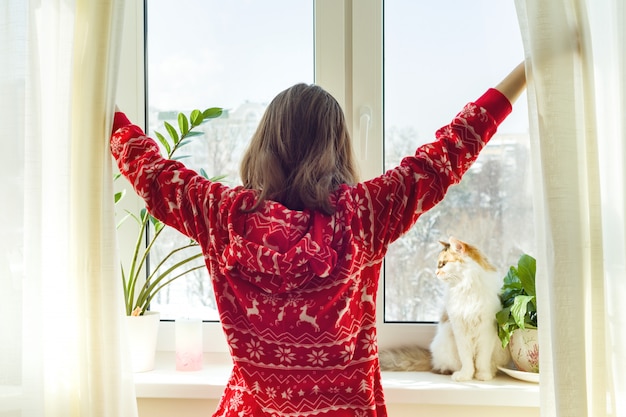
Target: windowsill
<point>400,387</point>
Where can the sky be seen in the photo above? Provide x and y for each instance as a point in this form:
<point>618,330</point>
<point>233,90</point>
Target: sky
<point>222,53</point>
<point>205,53</point>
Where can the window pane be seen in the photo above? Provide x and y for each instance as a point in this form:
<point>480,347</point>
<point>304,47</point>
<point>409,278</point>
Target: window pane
<point>438,56</point>
<point>234,54</point>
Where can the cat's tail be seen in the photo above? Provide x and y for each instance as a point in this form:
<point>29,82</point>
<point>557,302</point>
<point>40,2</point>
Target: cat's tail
<point>405,358</point>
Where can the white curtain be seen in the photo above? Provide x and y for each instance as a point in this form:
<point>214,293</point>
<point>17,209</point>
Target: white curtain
<point>62,346</point>
<point>576,64</point>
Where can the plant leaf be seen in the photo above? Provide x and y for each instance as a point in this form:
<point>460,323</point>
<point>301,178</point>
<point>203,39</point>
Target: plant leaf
<point>218,178</point>
<point>526,269</point>
<point>212,112</point>
<point>196,117</point>
<point>172,132</point>
<point>164,142</point>
<point>504,333</point>
<point>519,308</point>
<point>191,134</point>
<point>156,223</point>
<point>158,226</point>
<point>511,280</point>
<point>502,316</point>
<point>119,195</point>
<point>183,123</point>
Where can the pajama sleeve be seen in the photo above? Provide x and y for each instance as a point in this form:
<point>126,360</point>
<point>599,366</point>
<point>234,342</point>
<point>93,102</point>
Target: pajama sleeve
<point>174,194</point>
<point>391,204</point>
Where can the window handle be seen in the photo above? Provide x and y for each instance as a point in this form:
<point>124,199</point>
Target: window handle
<point>365,119</point>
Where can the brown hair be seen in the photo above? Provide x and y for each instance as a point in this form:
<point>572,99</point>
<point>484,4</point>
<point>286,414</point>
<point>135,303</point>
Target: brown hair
<point>301,151</point>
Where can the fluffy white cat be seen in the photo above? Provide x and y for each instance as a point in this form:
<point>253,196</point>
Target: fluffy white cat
<point>466,343</point>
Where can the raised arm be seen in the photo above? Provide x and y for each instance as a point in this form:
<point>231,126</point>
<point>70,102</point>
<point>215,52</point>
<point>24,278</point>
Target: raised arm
<point>402,194</point>
<point>514,83</point>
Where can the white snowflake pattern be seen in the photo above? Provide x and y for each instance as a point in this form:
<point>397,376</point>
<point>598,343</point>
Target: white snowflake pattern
<point>447,131</point>
<point>318,357</point>
<point>270,298</point>
<point>232,340</point>
<point>370,343</point>
<point>237,240</point>
<point>271,392</point>
<point>403,170</point>
<point>293,300</point>
<point>360,203</point>
<point>469,110</point>
<point>285,355</point>
<point>388,180</point>
<point>116,145</point>
<point>255,350</point>
<point>347,352</point>
<point>443,166</point>
<point>236,401</point>
<point>287,394</point>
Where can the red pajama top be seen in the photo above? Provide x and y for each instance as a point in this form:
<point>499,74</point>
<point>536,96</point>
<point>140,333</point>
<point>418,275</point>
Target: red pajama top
<point>296,290</point>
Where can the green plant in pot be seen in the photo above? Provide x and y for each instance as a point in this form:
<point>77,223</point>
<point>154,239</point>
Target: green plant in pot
<point>139,292</point>
<point>517,321</point>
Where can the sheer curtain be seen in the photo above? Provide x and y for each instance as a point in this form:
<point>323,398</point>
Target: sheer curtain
<point>62,349</point>
<point>576,54</point>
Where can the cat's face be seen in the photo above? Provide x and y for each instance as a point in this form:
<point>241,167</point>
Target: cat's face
<point>455,258</point>
<point>449,264</point>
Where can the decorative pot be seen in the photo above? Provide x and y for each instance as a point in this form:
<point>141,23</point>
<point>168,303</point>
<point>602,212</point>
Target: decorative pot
<point>142,337</point>
<point>524,348</point>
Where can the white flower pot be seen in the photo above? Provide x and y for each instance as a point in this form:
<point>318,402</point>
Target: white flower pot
<point>524,348</point>
<point>142,337</point>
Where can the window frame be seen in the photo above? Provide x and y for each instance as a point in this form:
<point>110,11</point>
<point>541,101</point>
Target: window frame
<point>348,64</point>
<point>352,70</point>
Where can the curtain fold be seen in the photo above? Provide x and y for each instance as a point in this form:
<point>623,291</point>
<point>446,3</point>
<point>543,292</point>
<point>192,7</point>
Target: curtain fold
<point>575,59</point>
<point>63,348</point>
<point>109,389</point>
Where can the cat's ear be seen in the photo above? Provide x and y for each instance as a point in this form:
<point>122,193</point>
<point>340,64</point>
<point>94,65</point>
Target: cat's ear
<point>457,245</point>
<point>445,244</point>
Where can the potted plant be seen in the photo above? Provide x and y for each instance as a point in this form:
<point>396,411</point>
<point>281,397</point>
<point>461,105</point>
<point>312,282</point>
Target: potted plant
<point>140,288</point>
<point>517,321</point>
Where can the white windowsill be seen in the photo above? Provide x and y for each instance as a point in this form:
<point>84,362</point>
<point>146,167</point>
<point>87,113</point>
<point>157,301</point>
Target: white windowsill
<point>400,387</point>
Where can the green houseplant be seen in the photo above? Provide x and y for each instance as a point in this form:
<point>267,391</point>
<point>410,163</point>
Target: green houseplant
<point>517,321</point>
<point>137,292</point>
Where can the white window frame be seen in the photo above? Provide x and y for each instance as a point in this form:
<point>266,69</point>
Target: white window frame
<point>348,64</point>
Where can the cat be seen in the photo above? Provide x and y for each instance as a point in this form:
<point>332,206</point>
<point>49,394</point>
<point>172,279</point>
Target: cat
<point>466,343</point>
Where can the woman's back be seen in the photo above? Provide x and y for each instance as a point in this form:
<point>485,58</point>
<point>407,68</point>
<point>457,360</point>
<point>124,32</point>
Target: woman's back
<point>296,301</point>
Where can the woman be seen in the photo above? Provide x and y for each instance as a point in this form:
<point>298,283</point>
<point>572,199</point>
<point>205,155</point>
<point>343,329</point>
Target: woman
<point>295,253</point>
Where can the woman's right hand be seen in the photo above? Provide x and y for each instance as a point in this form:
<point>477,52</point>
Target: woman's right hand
<point>514,83</point>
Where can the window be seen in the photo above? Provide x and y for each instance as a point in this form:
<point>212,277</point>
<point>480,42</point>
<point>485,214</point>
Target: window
<point>437,57</point>
<point>224,54</point>
<point>419,61</point>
